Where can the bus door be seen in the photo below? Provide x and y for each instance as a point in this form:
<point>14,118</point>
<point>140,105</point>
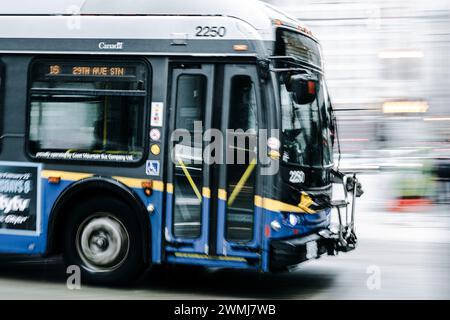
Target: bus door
<point>210,206</point>
<point>188,188</point>
<point>239,220</point>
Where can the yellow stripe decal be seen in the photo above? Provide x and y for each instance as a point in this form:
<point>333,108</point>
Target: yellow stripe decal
<point>130,182</point>
<point>158,186</point>
<point>276,205</point>
<point>222,195</point>
<point>71,176</point>
<point>202,256</point>
<point>242,181</point>
<point>137,183</point>
<point>258,201</point>
<point>306,202</point>
<point>266,203</point>
<point>191,181</point>
<point>206,192</point>
<point>76,176</point>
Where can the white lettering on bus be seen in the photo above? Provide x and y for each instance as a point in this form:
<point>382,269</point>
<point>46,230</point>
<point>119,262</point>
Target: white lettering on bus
<point>13,204</point>
<point>110,46</point>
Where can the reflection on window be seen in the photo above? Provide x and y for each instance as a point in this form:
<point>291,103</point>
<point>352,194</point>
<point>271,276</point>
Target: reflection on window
<point>300,125</point>
<point>242,145</point>
<point>306,129</point>
<point>85,117</point>
<point>327,125</point>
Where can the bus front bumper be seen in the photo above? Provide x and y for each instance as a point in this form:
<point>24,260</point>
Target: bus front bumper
<point>288,253</point>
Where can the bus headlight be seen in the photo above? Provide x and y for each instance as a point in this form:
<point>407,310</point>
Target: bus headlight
<point>275,225</point>
<point>293,220</point>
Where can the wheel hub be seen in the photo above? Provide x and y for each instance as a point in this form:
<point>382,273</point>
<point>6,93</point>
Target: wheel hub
<point>102,243</point>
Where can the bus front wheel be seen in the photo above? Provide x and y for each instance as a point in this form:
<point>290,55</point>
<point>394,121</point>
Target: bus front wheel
<point>103,237</point>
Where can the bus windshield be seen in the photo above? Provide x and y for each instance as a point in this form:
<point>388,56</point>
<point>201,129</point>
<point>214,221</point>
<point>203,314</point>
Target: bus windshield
<point>306,129</point>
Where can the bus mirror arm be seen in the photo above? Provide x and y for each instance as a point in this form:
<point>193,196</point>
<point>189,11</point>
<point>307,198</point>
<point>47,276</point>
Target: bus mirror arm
<point>353,185</point>
<point>349,182</point>
<point>337,176</point>
<point>346,237</point>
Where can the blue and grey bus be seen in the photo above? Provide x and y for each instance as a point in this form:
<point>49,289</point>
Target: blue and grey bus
<point>101,107</point>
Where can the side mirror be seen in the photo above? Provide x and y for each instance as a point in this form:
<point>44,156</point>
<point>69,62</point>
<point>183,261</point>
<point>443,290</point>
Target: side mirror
<point>304,90</point>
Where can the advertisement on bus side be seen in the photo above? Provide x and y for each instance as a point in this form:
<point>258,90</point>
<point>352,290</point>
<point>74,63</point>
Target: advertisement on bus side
<point>19,191</point>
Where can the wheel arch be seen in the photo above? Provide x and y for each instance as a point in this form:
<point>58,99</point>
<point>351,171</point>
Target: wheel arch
<point>85,188</point>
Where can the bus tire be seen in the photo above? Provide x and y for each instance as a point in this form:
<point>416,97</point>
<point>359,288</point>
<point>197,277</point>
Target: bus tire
<point>102,236</point>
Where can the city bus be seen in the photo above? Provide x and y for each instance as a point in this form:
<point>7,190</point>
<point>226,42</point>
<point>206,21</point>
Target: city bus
<point>113,110</point>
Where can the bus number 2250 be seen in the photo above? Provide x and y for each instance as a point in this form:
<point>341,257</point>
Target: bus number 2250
<point>209,31</point>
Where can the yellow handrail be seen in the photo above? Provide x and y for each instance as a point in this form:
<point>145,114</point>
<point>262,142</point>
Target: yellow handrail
<point>242,181</point>
<point>191,181</point>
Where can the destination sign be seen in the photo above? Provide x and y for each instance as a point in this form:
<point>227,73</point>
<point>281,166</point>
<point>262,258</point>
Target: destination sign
<point>298,46</point>
<point>89,70</point>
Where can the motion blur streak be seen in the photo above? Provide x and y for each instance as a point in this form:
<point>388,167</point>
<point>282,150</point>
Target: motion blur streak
<point>381,51</point>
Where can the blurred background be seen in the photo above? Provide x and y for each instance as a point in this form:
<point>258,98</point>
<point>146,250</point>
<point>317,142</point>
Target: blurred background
<point>388,70</point>
<point>387,65</point>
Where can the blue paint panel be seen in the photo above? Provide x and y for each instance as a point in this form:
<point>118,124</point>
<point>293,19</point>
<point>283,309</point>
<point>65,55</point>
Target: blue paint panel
<point>308,223</point>
<point>221,207</point>
<point>14,244</point>
<point>17,244</point>
<point>155,221</point>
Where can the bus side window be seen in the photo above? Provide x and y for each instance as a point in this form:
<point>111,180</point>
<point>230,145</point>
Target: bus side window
<point>242,147</point>
<point>84,116</point>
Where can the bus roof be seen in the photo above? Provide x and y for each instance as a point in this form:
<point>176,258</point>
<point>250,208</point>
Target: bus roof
<point>257,13</point>
<point>250,20</point>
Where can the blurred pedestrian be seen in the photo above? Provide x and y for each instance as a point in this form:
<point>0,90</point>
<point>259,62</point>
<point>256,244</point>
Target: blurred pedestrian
<point>442,176</point>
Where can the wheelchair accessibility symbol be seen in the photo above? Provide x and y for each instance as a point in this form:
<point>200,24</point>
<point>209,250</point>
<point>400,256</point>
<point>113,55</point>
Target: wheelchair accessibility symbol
<point>152,168</point>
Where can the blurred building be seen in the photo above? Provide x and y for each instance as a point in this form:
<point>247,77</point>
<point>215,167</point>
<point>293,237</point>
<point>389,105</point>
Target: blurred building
<point>388,70</point>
